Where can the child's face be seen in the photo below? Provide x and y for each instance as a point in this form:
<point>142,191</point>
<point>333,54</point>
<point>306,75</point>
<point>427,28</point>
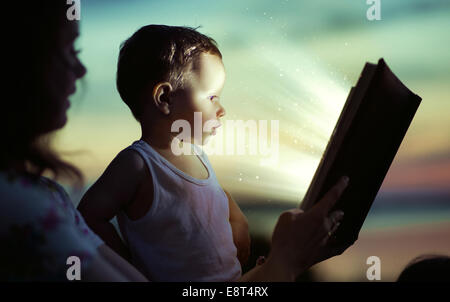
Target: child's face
<point>204,84</point>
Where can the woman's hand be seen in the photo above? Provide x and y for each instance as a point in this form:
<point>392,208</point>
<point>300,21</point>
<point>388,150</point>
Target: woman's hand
<point>300,238</point>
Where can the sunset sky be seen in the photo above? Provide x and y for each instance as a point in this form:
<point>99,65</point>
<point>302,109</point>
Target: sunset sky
<point>291,61</point>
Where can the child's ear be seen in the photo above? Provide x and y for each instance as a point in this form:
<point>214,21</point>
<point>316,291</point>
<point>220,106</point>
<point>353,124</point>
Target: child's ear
<point>160,96</point>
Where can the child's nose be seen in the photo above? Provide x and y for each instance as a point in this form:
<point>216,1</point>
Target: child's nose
<point>221,112</point>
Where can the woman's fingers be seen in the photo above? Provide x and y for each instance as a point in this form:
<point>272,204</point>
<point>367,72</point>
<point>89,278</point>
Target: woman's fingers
<point>297,237</point>
<point>331,197</point>
<point>330,225</point>
<point>336,217</point>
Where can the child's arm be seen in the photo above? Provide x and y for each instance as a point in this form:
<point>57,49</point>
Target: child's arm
<point>112,192</point>
<point>239,226</point>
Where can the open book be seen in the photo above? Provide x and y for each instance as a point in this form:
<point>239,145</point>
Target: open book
<point>372,124</point>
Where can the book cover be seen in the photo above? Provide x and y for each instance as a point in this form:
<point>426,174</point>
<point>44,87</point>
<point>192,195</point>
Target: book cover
<point>365,140</point>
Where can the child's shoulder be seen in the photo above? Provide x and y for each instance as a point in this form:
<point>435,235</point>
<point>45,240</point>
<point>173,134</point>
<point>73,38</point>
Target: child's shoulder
<point>130,159</point>
<point>129,164</point>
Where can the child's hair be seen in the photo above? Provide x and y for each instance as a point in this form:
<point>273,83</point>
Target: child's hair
<point>157,53</point>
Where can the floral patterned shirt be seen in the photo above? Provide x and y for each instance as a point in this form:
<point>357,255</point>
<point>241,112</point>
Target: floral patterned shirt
<point>39,229</point>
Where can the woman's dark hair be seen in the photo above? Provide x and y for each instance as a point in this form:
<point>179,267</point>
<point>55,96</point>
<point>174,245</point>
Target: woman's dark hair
<point>157,53</point>
<point>30,46</point>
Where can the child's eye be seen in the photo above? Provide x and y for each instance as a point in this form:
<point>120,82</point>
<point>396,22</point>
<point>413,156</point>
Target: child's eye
<point>213,98</point>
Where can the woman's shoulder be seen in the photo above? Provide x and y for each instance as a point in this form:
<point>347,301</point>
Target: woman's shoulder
<point>18,189</point>
<point>38,228</point>
<point>25,199</point>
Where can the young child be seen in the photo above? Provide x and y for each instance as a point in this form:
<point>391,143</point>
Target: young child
<point>177,221</point>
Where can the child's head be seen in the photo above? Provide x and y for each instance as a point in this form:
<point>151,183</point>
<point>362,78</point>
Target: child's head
<point>173,71</point>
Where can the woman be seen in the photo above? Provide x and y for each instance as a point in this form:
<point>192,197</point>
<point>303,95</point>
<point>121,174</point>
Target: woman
<point>39,227</point>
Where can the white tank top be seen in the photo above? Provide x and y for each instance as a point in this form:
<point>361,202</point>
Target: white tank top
<point>186,234</point>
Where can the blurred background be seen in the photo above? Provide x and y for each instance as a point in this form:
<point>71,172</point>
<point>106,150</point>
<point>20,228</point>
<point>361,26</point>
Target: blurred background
<point>295,62</point>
